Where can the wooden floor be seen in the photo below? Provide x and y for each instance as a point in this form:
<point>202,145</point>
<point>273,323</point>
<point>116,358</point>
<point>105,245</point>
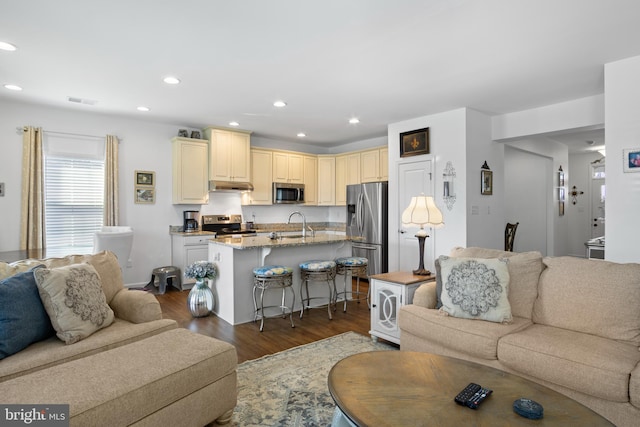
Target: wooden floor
<point>278,335</point>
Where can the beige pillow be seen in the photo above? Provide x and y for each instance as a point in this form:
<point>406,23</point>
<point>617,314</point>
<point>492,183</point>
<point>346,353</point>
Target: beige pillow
<point>475,288</point>
<point>73,298</point>
<point>524,273</point>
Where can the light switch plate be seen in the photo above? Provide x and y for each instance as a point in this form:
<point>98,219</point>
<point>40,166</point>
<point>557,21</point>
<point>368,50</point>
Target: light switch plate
<point>1,189</point>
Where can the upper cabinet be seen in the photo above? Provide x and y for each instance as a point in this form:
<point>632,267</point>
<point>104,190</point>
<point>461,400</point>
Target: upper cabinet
<point>347,173</point>
<point>190,171</point>
<point>288,167</point>
<point>229,155</point>
<point>327,180</point>
<point>310,180</point>
<point>261,178</point>
<point>374,165</point>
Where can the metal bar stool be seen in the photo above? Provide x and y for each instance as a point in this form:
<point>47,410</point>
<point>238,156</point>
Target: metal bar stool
<point>317,271</point>
<point>352,266</point>
<point>272,277</point>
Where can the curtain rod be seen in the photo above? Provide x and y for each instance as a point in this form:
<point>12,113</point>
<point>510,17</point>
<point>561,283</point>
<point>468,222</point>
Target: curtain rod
<point>24,128</point>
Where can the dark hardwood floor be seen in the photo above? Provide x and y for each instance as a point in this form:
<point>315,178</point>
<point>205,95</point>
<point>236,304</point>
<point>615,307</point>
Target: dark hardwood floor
<point>278,335</point>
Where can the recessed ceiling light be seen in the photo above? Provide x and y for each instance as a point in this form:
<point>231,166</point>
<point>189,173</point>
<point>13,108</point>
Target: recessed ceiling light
<point>354,120</point>
<point>302,135</point>
<point>234,124</point>
<point>143,108</point>
<point>12,87</point>
<point>7,46</point>
<point>279,104</point>
<point>171,80</point>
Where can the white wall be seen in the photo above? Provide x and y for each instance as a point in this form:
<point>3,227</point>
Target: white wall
<point>622,131</point>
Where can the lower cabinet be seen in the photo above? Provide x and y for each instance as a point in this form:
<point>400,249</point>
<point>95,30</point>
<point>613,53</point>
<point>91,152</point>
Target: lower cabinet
<point>185,250</point>
<point>389,292</point>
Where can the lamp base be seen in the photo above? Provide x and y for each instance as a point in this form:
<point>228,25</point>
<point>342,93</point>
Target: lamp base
<point>422,272</point>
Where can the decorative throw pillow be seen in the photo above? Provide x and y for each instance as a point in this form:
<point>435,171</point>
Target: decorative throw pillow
<point>23,319</point>
<point>475,288</point>
<point>74,300</point>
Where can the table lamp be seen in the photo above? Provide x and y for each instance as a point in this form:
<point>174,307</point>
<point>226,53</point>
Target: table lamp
<point>421,212</point>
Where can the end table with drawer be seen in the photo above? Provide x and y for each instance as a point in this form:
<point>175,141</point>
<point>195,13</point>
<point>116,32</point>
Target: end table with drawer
<point>389,292</point>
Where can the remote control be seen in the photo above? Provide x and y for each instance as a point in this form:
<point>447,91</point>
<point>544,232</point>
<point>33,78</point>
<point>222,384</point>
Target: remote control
<point>472,395</point>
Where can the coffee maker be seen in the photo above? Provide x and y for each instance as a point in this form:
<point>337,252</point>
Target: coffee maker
<point>191,221</point>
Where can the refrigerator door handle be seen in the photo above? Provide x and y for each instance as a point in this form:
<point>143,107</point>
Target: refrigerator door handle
<point>366,247</point>
<point>360,213</point>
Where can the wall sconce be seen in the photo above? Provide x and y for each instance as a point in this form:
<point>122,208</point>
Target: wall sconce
<point>574,194</point>
<point>448,193</point>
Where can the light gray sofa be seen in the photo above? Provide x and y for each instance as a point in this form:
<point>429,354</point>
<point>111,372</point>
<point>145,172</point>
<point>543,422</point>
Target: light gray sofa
<point>575,329</point>
<point>140,370</point>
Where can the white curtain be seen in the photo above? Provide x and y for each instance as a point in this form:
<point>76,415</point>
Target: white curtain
<point>111,189</point>
<point>32,232</point>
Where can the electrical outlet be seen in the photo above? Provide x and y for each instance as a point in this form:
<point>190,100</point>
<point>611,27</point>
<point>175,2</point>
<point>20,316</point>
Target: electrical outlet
<point>1,189</point>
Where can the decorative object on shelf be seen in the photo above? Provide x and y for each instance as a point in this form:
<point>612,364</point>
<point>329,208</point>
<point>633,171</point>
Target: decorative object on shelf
<point>195,134</point>
<point>414,143</point>
<point>145,178</point>
<point>183,133</point>
<point>421,212</point>
<point>200,300</point>
<point>486,180</point>
<point>631,159</point>
<point>574,194</point>
<point>448,193</point>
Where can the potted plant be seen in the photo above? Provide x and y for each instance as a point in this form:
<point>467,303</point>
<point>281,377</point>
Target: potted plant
<point>200,300</point>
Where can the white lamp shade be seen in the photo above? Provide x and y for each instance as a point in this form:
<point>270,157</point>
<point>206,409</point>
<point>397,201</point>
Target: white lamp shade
<point>421,212</point>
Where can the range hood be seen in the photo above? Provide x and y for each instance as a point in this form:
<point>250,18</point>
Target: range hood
<point>230,186</point>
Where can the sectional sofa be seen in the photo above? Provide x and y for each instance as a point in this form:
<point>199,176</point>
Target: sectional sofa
<point>574,327</point>
<point>107,352</point>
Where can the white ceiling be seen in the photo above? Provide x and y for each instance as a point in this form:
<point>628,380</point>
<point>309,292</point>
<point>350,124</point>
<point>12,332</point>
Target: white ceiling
<point>382,61</point>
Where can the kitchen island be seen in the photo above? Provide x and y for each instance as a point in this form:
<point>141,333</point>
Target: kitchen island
<point>236,257</point>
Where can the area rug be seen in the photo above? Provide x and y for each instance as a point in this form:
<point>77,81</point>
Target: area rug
<point>290,388</point>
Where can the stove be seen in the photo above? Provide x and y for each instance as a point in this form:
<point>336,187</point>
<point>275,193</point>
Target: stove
<point>224,225</point>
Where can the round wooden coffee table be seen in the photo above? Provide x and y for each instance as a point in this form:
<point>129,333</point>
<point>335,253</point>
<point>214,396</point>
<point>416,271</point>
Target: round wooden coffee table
<point>402,388</point>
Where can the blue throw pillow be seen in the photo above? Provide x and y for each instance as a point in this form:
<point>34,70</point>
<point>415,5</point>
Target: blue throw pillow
<point>23,319</point>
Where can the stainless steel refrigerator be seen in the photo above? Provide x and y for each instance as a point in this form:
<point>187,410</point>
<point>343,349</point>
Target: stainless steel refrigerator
<point>367,223</point>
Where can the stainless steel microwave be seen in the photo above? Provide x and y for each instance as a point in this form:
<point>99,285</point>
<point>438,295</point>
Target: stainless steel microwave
<point>288,193</point>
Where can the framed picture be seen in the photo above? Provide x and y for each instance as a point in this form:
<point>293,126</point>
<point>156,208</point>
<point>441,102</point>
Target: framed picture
<point>486,182</point>
<point>145,178</point>
<point>414,143</point>
<point>631,160</point>
<point>145,195</point>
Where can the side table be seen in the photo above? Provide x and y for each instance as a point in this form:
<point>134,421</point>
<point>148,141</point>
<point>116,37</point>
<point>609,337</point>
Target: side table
<point>389,292</point>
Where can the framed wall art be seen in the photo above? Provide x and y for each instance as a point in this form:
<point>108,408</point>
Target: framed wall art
<point>486,181</point>
<point>145,195</point>
<point>631,159</point>
<point>145,178</point>
<point>414,143</point>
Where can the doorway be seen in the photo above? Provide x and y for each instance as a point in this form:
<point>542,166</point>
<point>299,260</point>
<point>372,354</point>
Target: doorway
<point>414,178</point>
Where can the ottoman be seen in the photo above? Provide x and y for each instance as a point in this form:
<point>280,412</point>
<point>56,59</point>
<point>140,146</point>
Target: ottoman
<point>177,377</point>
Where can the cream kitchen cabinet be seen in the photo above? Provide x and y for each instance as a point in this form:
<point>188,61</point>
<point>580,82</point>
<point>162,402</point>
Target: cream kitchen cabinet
<point>326,180</point>
<point>347,173</point>
<point>190,171</point>
<point>229,155</point>
<point>310,180</point>
<point>288,167</point>
<point>261,179</point>
<point>187,249</point>
<point>374,165</point>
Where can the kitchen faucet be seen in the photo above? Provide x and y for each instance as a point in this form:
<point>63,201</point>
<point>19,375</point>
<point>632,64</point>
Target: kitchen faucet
<point>304,222</point>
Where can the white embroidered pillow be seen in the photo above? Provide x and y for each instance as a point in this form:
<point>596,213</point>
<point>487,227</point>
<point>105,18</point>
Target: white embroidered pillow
<point>74,300</point>
<point>474,288</point>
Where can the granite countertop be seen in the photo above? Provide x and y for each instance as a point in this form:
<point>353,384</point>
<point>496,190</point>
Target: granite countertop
<point>265,242</point>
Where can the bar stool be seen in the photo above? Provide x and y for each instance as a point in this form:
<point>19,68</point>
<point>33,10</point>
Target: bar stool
<point>317,271</point>
<point>272,277</point>
<point>352,266</point>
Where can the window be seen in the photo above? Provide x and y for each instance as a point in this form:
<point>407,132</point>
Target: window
<point>74,193</point>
